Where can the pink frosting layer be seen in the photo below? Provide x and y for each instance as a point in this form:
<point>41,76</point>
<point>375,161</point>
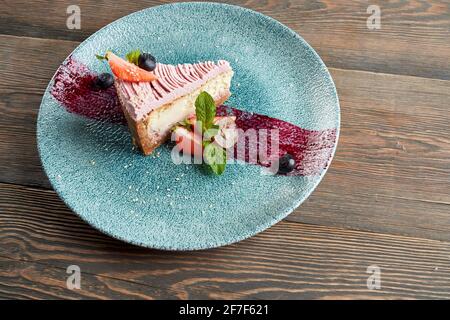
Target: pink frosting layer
<point>173,82</point>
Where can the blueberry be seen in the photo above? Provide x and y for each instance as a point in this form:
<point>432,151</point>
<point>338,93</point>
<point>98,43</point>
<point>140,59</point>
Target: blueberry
<point>147,62</point>
<point>286,164</point>
<point>104,80</point>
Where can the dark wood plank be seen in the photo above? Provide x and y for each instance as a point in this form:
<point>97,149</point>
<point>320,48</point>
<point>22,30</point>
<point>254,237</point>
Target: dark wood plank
<point>28,66</point>
<point>18,129</point>
<point>31,280</point>
<point>29,63</point>
<point>391,167</point>
<point>290,260</point>
<point>413,39</point>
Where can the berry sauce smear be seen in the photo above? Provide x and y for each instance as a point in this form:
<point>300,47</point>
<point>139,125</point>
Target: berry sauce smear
<point>311,149</point>
<point>75,87</point>
<point>76,90</point>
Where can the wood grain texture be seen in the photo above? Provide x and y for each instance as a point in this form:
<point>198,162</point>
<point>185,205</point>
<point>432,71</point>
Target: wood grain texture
<point>391,166</point>
<point>31,280</point>
<point>391,173</point>
<point>290,260</point>
<point>413,39</point>
<point>21,88</point>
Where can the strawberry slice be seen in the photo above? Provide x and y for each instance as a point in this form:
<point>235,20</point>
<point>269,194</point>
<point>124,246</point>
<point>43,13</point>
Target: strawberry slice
<point>227,135</point>
<point>127,71</point>
<point>188,142</point>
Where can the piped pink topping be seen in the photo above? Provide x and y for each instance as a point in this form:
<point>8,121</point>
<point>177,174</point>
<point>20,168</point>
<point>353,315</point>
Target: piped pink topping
<point>173,82</point>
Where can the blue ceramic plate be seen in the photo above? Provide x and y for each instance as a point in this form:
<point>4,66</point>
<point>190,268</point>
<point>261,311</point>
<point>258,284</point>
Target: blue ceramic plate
<point>152,202</point>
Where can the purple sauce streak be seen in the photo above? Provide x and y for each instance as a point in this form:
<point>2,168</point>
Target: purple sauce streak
<point>311,149</point>
<point>74,89</point>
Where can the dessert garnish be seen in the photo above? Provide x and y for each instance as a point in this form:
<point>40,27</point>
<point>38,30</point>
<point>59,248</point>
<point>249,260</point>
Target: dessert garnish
<point>143,60</point>
<point>104,80</point>
<point>206,135</point>
<point>126,70</point>
<point>133,57</point>
<point>147,62</point>
<point>286,164</point>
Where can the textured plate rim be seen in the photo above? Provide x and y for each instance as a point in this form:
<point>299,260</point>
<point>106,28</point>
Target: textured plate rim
<point>280,215</point>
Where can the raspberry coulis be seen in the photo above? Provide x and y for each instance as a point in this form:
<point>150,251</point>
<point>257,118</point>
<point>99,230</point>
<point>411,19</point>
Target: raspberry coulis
<point>74,88</point>
<point>311,149</point>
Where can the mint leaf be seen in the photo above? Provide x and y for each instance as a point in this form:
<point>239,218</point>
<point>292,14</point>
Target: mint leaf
<point>216,157</point>
<point>133,56</point>
<point>205,110</point>
<point>218,168</point>
<point>200,108</point>
<point>99,57</point>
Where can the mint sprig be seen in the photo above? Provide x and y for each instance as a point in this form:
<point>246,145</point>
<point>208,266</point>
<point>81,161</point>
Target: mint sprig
<point>214,155</point>
<point>133,56</point>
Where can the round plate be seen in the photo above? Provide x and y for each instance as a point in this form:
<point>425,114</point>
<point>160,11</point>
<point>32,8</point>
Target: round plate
<point>152,202</point>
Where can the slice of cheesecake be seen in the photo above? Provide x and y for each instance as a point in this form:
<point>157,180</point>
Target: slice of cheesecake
<point>152,108</point>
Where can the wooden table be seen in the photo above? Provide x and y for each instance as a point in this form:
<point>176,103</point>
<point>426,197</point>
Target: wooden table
<point>385,201</point>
